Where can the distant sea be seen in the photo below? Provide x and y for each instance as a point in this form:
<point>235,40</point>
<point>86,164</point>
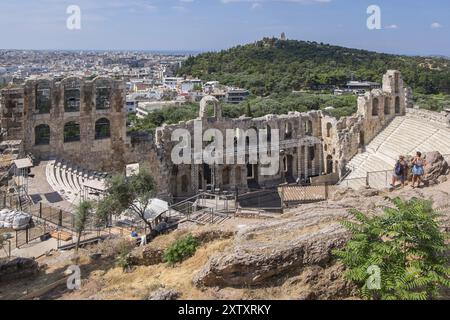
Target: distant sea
<point>162,52</point>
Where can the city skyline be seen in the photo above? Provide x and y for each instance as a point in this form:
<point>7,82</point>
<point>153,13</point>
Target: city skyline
<point>210,25</point>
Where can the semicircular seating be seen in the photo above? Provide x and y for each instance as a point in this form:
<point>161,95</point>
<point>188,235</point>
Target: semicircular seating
<point>68,179</point>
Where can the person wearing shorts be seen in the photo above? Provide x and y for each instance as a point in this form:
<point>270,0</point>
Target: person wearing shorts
<point>400,172</point>
<point>418,169</point>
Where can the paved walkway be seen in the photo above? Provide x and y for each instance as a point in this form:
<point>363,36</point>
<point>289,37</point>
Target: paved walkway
<point>35,249</point>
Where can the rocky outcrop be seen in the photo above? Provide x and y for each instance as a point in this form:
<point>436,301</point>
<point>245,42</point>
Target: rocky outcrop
<point>18,268</point>
<point>276,248</point>
<point>436,168</point>
<point>153,253</point>
<point>146,256</point>
<point>164,294</point>
<point>324,283</point>
<point>302,240</point>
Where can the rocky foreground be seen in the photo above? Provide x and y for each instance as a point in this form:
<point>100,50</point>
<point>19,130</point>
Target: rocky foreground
<point>284,258</point>
<point>295,249</point>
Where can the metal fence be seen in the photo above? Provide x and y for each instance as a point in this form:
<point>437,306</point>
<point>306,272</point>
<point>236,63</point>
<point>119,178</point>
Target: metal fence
<point>296,194</point>
<point>354,183</point>
<point>379,179</point>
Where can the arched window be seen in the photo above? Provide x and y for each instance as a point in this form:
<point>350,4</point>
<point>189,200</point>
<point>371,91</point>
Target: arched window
<point>72,99</point>
<point>397,105</point>
<point>288,131</point>
<point>226,176</point>
<point>312,153</point>
<point>102,129</point>
<point>329,127</point>
<point>329,164</point>
<point>309,128</point>
<point>42,135</point>
<point>397,82</point>
<point>387,106</point>
<point>71,132</point>
<point>375,107</point>
<point>102,95</point>
<point>43,100</point>
<point>184,184</point>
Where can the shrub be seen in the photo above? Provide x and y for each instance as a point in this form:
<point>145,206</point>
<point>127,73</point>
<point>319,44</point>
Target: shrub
<point>181,249</point>
<point>123,250</point>
<point>405,245</point>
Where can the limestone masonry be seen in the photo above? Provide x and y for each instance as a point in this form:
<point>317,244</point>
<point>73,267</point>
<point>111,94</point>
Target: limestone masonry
<point>84,121</point>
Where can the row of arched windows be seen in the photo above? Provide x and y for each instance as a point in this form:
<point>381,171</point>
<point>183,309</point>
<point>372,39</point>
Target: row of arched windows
<point>387,106</point>
<point>72,132</point>
<point>72,96</point>
<point>289,131</point>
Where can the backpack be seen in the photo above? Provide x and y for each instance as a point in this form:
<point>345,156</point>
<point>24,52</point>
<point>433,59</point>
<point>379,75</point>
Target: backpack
<point>398,169</point>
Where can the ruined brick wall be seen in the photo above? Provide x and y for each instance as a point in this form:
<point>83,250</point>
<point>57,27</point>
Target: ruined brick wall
<point>96,140</point>
<point>376,109</point>
<point>12,113</point>
<point>300,152</point>
<point>311,144</point>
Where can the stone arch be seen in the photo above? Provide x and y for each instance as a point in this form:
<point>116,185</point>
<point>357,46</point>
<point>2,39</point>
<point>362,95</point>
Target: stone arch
<point>329,164</point>
<point>362,140</point>
<point>308,127</point>
<point>226,173</point>
<point>288,132</point>
<point>102,129</point>
<point>397,105</point>
<point>42,135</point>
<point>329,127</point>
<point>203,114</point>
<point>387,106</point>
<point>72,94</point>
<point>312,153</point>
<point>184,184</point>
<point>103,91</point>
<point>397,82</point>
<point>375,107</point>
<point>72,132</point>
<point>269,133</point>
<point>43,96</point>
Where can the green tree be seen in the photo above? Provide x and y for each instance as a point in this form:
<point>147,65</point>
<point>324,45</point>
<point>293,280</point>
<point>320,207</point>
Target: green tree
<point>83,215</point>
<point>407,246</point>
<point>128,193</point>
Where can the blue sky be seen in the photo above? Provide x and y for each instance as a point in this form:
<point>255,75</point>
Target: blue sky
<point>409,27</point>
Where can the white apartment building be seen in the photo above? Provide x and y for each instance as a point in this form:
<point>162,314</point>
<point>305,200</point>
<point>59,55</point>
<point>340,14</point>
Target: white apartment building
<point>172,82</point>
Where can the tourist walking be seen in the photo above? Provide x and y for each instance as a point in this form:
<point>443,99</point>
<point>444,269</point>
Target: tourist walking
<point>400,172</point>
<point>418,169</point>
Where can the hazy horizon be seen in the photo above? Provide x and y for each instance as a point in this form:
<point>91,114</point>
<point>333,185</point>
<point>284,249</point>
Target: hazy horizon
<point>407,28</point>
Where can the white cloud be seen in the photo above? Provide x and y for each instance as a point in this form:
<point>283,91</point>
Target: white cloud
<point>436,25</point>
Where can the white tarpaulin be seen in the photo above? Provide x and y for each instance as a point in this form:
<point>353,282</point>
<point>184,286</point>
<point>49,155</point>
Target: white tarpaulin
<point>16,220</point>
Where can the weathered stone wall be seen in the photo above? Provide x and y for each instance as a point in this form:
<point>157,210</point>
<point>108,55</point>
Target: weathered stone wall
<point>376,109</point>
<point>300,156</point>
<point>311,144</point>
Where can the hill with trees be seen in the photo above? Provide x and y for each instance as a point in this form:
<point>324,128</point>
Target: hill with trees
<point>275,66</point>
